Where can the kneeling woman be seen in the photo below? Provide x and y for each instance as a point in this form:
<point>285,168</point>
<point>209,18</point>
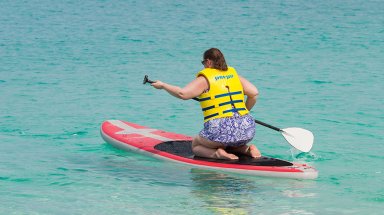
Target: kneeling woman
<point>228,126</point>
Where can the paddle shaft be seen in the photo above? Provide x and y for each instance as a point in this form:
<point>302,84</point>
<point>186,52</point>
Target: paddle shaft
<point>268,126</point>
<point>146,80</point>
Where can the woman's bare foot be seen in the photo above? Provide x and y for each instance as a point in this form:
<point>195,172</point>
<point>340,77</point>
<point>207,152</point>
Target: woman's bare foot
<point>253,151</point>
<point>222,154</point>
<point>250,150</point>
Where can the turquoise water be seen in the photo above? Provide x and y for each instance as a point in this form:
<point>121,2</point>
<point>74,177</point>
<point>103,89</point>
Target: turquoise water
<point>66,66</point>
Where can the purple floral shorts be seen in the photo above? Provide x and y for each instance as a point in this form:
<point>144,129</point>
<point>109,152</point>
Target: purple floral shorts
<point>230,131</point>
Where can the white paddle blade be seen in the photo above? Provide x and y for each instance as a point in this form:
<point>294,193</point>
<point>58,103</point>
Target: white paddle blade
<point>299,138</point>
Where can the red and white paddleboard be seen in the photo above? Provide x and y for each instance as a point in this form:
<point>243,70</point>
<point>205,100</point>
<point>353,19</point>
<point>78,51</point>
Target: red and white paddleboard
<point>177,148</point>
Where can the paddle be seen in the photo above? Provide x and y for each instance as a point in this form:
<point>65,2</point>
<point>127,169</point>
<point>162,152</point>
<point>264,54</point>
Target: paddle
<point>299,138</point>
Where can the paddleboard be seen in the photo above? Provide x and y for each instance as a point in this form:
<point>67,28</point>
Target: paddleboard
<point>177,148</point>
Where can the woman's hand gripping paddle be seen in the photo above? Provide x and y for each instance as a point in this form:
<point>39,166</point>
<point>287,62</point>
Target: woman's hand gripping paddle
<point>299,138</point>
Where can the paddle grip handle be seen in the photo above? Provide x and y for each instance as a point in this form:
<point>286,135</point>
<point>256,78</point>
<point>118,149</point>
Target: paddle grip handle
<point>268,125</point>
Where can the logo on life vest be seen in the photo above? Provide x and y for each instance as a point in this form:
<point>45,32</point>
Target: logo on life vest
<point>219,77</point>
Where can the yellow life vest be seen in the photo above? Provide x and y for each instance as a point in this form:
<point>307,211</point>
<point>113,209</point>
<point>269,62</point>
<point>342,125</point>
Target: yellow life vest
<point>224,96</point>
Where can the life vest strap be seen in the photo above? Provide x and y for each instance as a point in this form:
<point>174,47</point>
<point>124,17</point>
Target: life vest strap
<point>234,110</point>
<point>202,99</point>
<point>228,94</point>
<point>230,102</point>
<point>210,116</point>
<point>208,108</point>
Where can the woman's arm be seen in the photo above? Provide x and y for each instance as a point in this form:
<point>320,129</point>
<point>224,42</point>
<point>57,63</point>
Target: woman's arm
<point>250,91</point>
<point>191,90</point>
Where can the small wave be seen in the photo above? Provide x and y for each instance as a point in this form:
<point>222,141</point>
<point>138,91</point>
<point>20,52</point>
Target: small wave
<point>321,82</point>
<point>79,133</point>
<point>297,194</point>
<point>305,156</point>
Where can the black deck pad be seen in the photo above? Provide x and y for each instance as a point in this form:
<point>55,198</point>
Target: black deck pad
<point>184,149</point>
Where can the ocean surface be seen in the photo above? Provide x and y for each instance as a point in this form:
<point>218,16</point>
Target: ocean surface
<point>67,66</point>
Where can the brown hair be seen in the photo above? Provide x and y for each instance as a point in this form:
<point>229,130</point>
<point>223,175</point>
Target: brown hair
<point>217,59</point>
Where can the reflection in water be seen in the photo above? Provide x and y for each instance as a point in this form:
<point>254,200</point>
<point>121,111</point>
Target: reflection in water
<point>223,193</point>
<point>226,193</point>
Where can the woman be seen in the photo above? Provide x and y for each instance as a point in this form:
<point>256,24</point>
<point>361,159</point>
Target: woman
<point>228,126</point>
